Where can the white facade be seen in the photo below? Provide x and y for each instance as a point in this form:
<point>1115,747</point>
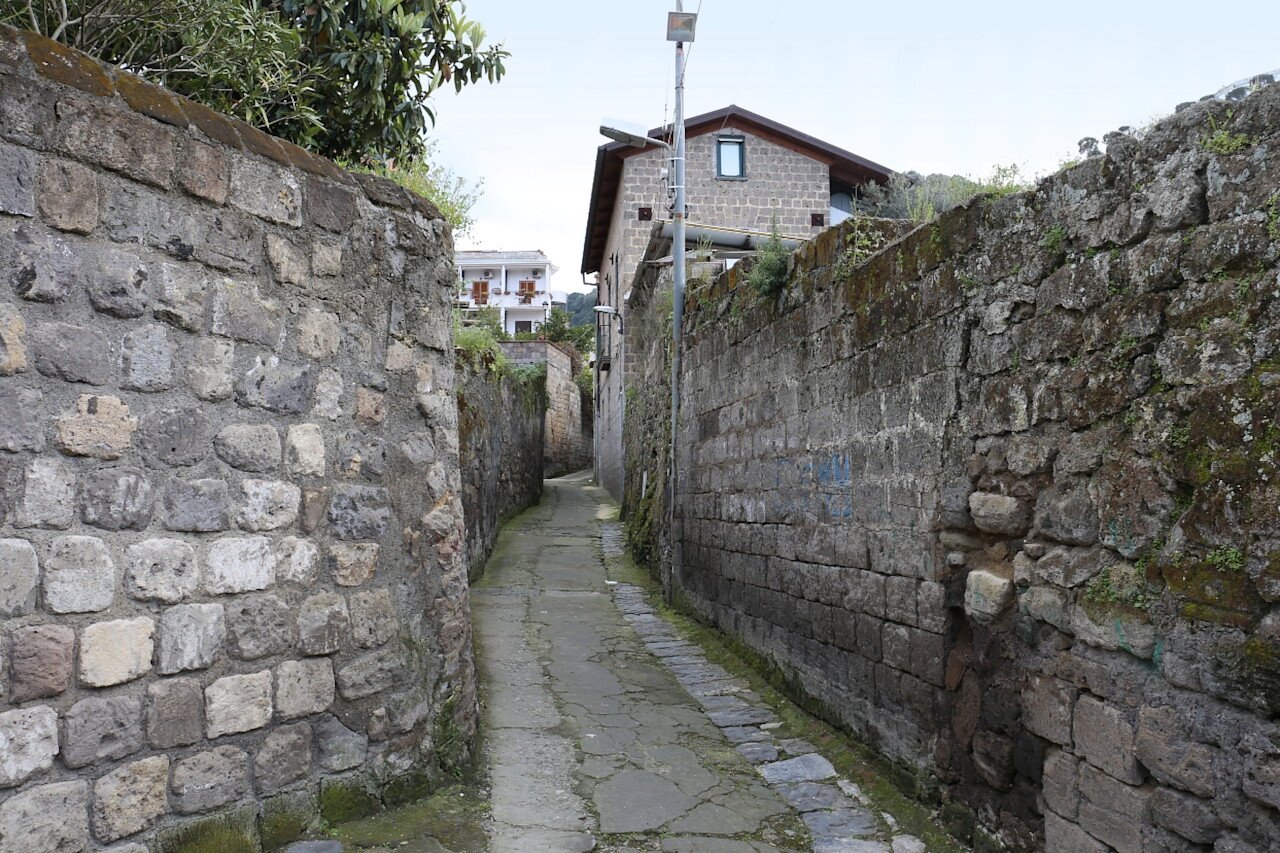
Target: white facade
<point>517,284</point>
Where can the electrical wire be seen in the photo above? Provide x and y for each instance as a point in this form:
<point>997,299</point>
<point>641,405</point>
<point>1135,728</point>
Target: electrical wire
<point>755,57</point>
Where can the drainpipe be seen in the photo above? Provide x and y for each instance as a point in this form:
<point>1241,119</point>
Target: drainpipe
<point>677,314</point>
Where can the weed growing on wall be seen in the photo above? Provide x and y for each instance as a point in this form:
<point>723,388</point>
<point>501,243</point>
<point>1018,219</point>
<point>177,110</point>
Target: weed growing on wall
<point>861,242</point>
<point>1222,141</point>
<point>769,275</point>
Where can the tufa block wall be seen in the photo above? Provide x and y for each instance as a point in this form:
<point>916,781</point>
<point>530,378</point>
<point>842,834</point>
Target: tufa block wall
<point>231,549</point>
<point>1003,499</point>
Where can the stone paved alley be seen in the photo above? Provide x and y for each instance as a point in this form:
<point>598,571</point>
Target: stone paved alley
<point>606,731</point>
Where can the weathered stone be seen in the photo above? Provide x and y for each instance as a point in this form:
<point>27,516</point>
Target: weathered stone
<point>277,385</point>
<point>353,564</point>
<point>44,270</point>
<point>130,798</point>
<point>48,496</point>
<point>305,451</point>
<point>1000,514</point>
<point>373,618</point>
<point>117,651</point>
<point>259,626</point>
<point>209,371</point>
<point>240,312</point>
<point>371,407</point>
<point>249,447</point>
<point>79,576</point>
<point>28,743</point>
<point>161,570</point>
<point>372,673</point>
<point>328,395</point>
<point>237,703</point>
<point>266,190</point>
<point>1164,746</point>
<point>13,345</point>
<point>118,285</point>
<point>1070,567</point>
<point>284,758</point>
<point>323,624</point>
<point>1061,836</point>
<point>1061,783</point>
<point>318,334</point>
<point>1047,605</point>
<point>1111,811</point>
<point>239,565</point>
<point>175,713</point>
<point>289,263</point>
<point>205,172</point>
<point>330,205</point>
<point>18,181</point>
<point>72,353</point>
<point>180,297</point>
<point>399,357</point>
<point>210,779</point>
<point>46,818</point>
<point>147,357</point>
<point>1047,706</point>
<point>361,454</point>
<point>19,577</point>
<point>191,637</point>
<point>1065,513</point>
<point>21,418</point>
<point>359,512</point>
<point>196,506</point>
<point>315,505</point>
<point>297,561</point>
<point>1105,738</point>
<point>1190,817</point>
<point>121,141</point>
<point>304,687</point>
<point>68,196</point>
<point>268,504</point>
<point>340,748</point>
<point>101,427</point>
<point>40,663</point>
<point>177,437</point>
<point>986,595</point>
<point>117,499</point>
<point>101,729</point>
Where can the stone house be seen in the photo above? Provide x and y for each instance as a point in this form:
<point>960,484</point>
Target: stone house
<point>517,284</point>
<point>745,176</point>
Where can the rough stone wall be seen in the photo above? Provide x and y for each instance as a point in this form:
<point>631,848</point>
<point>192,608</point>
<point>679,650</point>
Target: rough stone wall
<point>231,558</point>
<point>1003,499</point>
<point>567,437</point>
<point>501,420</point>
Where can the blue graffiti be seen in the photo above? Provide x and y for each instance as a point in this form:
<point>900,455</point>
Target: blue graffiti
<point>824,486</point>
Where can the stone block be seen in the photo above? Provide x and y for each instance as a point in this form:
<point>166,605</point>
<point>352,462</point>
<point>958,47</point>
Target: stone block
<point>1000,514</point>
<point>239,565</point>
<point>259,626</point>
<point>196,506</point>
<point>72,353</point>
<point>1190,817</point>
<point>297,561</point>
<point>328,395</point>
<point>210,779</point>
<point>353,564</point>
<point>53,818</point>
<point>359,512</point>
<point>240,312</point>
<point>361,454</point>
<point>209,372</point>
<point>117,499</point>
<point>1060,783</point>
<point>279,386</point>
<point>340,748</point>
<point>237,703</point>
<point>130,798</point>
<point>175,713</point>
<point>326,259</point>
<point>48,496</point>
<point>79,576</point>
<point>371,408</point>
<point>147,357</point>
<point>163,570</point>
<point>119,285</point>
<point>180,296</point>
<point>373,618</point>
<point>1105,738</point>
<point>13,344</point>
<point>330,205</point>
<point>284,758</point>
<point>986,595</point>
<point>21,418</point>
<point>1164,745</point>
<point>205,172</point>
<point>1111,811</point>
<point>993,759</point>
<point>305,451</point>
<point>1047,605</point>
<point>44,268</point>
<point>323,624</point>
<point>304,687</point>
<point>117,651</point>
<point>1061,836</point>
<point>28,743</point>
<point>315,506</point>
<point>1070,567</point>
<point>101,427</point>
<point>290,263</point>
<point>68,196</point>
<point>40,662</point>
<point>265,190</point>
<point>191,637</point>
<point>101,728</point>
<point>372,673</point>
<point>268,504</point>
<point>175,437</point>
<point>1047,707</point>
<point>119,140</point>
<point>249,447</point>
<point>1065,513</point>
<point>318,334</point>
<point>18,181</point>
<point>19,577</point>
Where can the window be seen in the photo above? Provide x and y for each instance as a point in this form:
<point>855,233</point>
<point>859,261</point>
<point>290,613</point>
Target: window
<point>731,157</point>
<point>524,326</point>
<point>480,292</point>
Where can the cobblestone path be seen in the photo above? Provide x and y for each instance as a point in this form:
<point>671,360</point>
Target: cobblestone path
<point>605,730</point>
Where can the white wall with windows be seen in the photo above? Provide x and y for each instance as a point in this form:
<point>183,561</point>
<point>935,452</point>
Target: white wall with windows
<point>517,285</point>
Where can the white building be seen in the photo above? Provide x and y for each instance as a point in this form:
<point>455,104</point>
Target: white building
<point>517,284</point>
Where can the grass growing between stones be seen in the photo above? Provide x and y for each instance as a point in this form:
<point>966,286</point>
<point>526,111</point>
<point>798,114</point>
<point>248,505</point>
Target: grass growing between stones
<point>881,781</point>
<point>451,819</point>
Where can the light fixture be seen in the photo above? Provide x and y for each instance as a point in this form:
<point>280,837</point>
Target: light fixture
<point>609,311</point>
<point>681,26</point>
<point>631,135</point>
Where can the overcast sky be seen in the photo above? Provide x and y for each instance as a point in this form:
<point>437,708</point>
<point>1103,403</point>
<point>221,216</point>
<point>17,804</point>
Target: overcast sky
<point>932,86</point>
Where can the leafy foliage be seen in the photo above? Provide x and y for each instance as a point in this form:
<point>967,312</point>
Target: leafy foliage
<point>861,242</point>
<point>580,307</point>
<point>559,327</point>
<point>448,191</point>
<point>919,198</point>
<point>769,275</point>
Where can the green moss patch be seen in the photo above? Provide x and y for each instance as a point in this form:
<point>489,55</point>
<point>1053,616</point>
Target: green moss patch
<point>223,834</point>
<point>454,816</point>
<point>345,801</point>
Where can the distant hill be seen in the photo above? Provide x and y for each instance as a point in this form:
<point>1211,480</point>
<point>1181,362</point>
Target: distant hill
<point>579,306</point>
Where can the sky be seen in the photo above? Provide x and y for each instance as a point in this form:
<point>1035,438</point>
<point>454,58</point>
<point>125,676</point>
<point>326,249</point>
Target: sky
<point>953,87</point>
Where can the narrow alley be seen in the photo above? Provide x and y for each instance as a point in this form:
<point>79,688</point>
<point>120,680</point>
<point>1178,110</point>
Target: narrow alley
<point>606,731</point>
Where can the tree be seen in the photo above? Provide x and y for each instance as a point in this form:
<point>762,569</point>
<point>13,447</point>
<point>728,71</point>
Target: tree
<point>349,79</point>
<point>579,306</point>
<point>558,328</point>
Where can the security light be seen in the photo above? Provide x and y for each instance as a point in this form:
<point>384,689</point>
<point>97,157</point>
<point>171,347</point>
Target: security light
<point>636,139</point>
<point>680,26</point>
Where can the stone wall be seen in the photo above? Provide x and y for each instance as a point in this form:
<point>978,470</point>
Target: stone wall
<point>501,419</point>
<point>567,435</point>
<point>1002,499</point>
<point>231,559</point>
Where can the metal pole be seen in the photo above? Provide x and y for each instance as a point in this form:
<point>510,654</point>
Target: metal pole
<point>677,316</point>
